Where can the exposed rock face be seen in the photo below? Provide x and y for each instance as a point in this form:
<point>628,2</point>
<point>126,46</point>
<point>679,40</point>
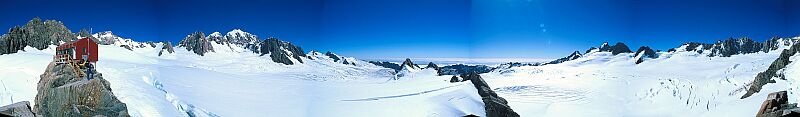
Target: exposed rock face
<point>281,51</point>
<point>166,47</point>
<point>197,43</point>
<point>619,48</point>
<point>19,109</point>
<point>766,77</point>
<point>432,66</point>
<point>409,64</point>
<point>735,46</point>
<point>731,46</point>
<point>332,56</point>
<point>776,106</point>
<point>454,79</point>
<point>36,33</point>
<point>643,53</point>
<point>464,69</point>
<point>573,56</point>
<point>62,93</point>
<point>495,106</point>
<point>389,65</point>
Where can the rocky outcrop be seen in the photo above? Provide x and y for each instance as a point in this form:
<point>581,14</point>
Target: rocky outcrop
<point>389,65</point>
<point>616,49</point>
<point>408,64</point>
<point>37,34</point>
<point>464,69</point>
<point>19,109</point>
<point>332,56</point>
<point>197,43</point>
<point>731,46</point>
<point>62,93</point>
<point>776,105</point>
<point>494,105</point>
<point>573,56</point>
<point>766,77</point>
<point>166,48</point>
<point>454,79</point>
<point>643,53</point>
<point>735,46</point>
<point>281,51</point>
<point>431,65</point>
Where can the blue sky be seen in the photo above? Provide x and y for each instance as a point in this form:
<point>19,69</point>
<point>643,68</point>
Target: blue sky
<point>429,28</point>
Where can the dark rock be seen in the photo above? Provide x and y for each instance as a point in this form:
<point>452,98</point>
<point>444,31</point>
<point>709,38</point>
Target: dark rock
<point>616,49</point>
<point>19,109</point>
<point>126,47</point>
<point>389,65</point>
<point>766,77</point>
<point>644,52</point>
<point>197,43</point>
<point>454,79</point>
<point>731,46</point>
<point>735,46</point>
<point>464,69</point>
<point>590,50</point>
<point>573,56</point>
<point>605,47</point>
<point>620,48</point>
<point>408,63</point>
<point>62,93</point>
<point>167,46</point>
<point>332,56</point>
<point>494,105</point>
<point>281,51</point>
<point>432,65</point>
<point>37,34</point>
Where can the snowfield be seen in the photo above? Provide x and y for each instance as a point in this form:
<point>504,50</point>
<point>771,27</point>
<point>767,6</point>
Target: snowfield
<point>676,84</point>
<point>230,83</point>
<point>236,82</point>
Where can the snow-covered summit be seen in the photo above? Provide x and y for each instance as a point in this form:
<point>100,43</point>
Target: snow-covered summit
<point>109,38</point>
<point>239,37</point>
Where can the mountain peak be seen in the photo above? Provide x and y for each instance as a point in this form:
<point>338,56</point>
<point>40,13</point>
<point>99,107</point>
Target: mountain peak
<point>409,64</point>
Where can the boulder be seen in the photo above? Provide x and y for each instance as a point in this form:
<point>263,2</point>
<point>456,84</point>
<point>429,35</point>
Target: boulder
<point>62,93</point>
<point>19,109</point>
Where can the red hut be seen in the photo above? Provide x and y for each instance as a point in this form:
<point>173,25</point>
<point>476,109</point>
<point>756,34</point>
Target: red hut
<point>78,50</point>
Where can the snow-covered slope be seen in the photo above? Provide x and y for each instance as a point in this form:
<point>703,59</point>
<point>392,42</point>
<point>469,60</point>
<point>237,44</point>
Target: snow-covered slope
<point>227,83</point>
<point>675,84</point>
